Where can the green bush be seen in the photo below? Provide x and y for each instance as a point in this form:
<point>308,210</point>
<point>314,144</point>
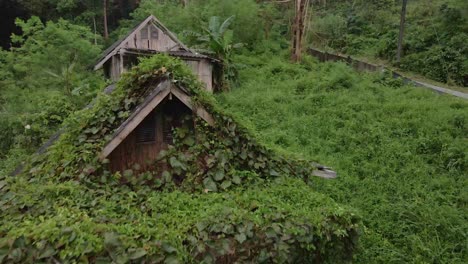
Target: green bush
<point>400,151</point>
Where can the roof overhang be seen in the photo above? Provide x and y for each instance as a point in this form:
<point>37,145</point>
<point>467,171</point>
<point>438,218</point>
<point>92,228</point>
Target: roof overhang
<point>160,92</point>
<point>115,48</point>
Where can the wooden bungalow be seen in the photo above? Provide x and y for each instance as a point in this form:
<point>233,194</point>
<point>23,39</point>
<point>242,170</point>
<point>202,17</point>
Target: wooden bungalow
<point>148,38</point>
<point>148,130</point>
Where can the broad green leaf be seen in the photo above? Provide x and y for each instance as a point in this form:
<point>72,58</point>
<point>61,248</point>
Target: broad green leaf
<point>241,238</point>
<point>219,175</point>
<point>236,179</point>
<point>138,253</point>
<point>210,184</point>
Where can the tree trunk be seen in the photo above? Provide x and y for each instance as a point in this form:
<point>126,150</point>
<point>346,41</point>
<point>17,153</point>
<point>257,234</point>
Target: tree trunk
<point>298,28</point>
<point>185,3</point>
<point>106,31</point>
<point>402,31</point>
<point>95,29</point>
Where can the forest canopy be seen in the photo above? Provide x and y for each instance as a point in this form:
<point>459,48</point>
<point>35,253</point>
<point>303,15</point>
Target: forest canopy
<point>400,151</point>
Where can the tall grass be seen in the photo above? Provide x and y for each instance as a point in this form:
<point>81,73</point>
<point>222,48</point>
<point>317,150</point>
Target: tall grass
<point>401,152</point>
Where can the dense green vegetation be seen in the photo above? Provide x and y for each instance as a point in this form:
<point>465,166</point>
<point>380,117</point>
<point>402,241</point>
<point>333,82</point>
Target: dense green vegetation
<point>434,42</point>
<point>400,152</point>
<point>240,224</point>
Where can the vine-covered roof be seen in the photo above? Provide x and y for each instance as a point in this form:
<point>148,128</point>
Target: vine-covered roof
<point>238,200</point>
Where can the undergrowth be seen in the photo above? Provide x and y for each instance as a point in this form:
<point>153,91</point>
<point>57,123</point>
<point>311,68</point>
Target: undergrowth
<point>400,151</point>
<point>238,200</point>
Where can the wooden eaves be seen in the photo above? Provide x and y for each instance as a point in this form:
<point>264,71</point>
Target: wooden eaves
<point>162,90</point>
<point>114,48</point>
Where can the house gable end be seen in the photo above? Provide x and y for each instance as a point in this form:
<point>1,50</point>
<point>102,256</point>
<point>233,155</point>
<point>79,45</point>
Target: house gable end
<point>163,90</point>
<point>150,34</point>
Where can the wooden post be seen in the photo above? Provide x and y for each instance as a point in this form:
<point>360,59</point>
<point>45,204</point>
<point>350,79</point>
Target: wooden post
<point>402,30</point>
<point>106,31</point>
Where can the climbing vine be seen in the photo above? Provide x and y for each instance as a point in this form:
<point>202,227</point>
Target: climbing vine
<point>221,196</point>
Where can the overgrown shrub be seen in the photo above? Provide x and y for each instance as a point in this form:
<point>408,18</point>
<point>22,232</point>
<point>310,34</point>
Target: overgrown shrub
<point>225,198</point>
<point>400,152</point>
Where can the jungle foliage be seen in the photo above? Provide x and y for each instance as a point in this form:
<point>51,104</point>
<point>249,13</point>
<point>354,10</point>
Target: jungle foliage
<point>400,152</point>
<point>42,81</point>
<point>223,158</point>
<point>434,41</point>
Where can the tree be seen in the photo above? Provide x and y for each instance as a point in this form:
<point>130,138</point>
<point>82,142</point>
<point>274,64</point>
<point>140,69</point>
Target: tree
<point>106,31</point>
<point>301,8</point>
<point>402,29</point>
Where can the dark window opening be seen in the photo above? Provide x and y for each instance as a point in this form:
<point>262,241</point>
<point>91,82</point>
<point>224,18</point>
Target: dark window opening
<point>154,32</point>
<point>167,132</point>
<point>144,33</point>
<point>175,115</point>
<point>146,131</point>
<point>130,61</point>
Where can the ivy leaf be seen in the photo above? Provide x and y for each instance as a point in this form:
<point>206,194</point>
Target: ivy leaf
<point>274,173</point>
<point>189,141</point>
<point>175,163</point>
<point>128,173</point>
<point>236,179</point>
<point>2,184</point>
<point>166,176</point>
<point>168,248</point>
<point>243,155</point>
<point>171,260</point>
<point>210,184</point>
<point>201,226</point>
<point>94,130</point>
<point>241,237</point>
<point>219,175</point>
<point>48,252</point>
<point>139,253</point>
<point>226,184</point>
<point>111,240</point>
<point>3,254</point>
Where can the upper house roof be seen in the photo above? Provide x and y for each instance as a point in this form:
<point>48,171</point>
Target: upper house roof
<point>172,45</point>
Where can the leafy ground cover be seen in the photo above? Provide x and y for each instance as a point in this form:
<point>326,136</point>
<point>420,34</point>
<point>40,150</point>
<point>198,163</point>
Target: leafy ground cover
<point>400,152</point>
<point>215,195</point>
<point>67,221</point>
<point>434,41</point>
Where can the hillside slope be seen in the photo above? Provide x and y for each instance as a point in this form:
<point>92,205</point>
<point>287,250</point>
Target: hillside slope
<point>400,152</point>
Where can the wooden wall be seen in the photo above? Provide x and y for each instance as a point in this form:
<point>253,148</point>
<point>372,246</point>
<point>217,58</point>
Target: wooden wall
<point>152,39</point>
<point>204,70</point>
<point>131,152</point>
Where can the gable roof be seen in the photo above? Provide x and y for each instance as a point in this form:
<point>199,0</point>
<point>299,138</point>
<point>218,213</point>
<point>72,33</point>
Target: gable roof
<point>152,87</point>
<point>112,50</point>
<point>162,90</point>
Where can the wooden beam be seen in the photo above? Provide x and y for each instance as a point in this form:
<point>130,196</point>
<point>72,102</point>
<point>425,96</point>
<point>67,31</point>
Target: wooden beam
<point>324,172</point>
<point>149,19</point>
<point>200,111</point>
<point>142,111</point>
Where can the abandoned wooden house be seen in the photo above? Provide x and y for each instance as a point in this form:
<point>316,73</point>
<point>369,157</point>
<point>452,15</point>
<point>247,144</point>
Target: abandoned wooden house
<point>148,38</point>
<point>149,129</point>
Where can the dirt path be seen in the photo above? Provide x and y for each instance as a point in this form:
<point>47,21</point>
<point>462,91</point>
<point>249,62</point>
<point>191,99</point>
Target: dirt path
<point>440,89</point>
<point>364,66</point>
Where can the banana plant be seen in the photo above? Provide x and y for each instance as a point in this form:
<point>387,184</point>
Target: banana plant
<point>218,39</point>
